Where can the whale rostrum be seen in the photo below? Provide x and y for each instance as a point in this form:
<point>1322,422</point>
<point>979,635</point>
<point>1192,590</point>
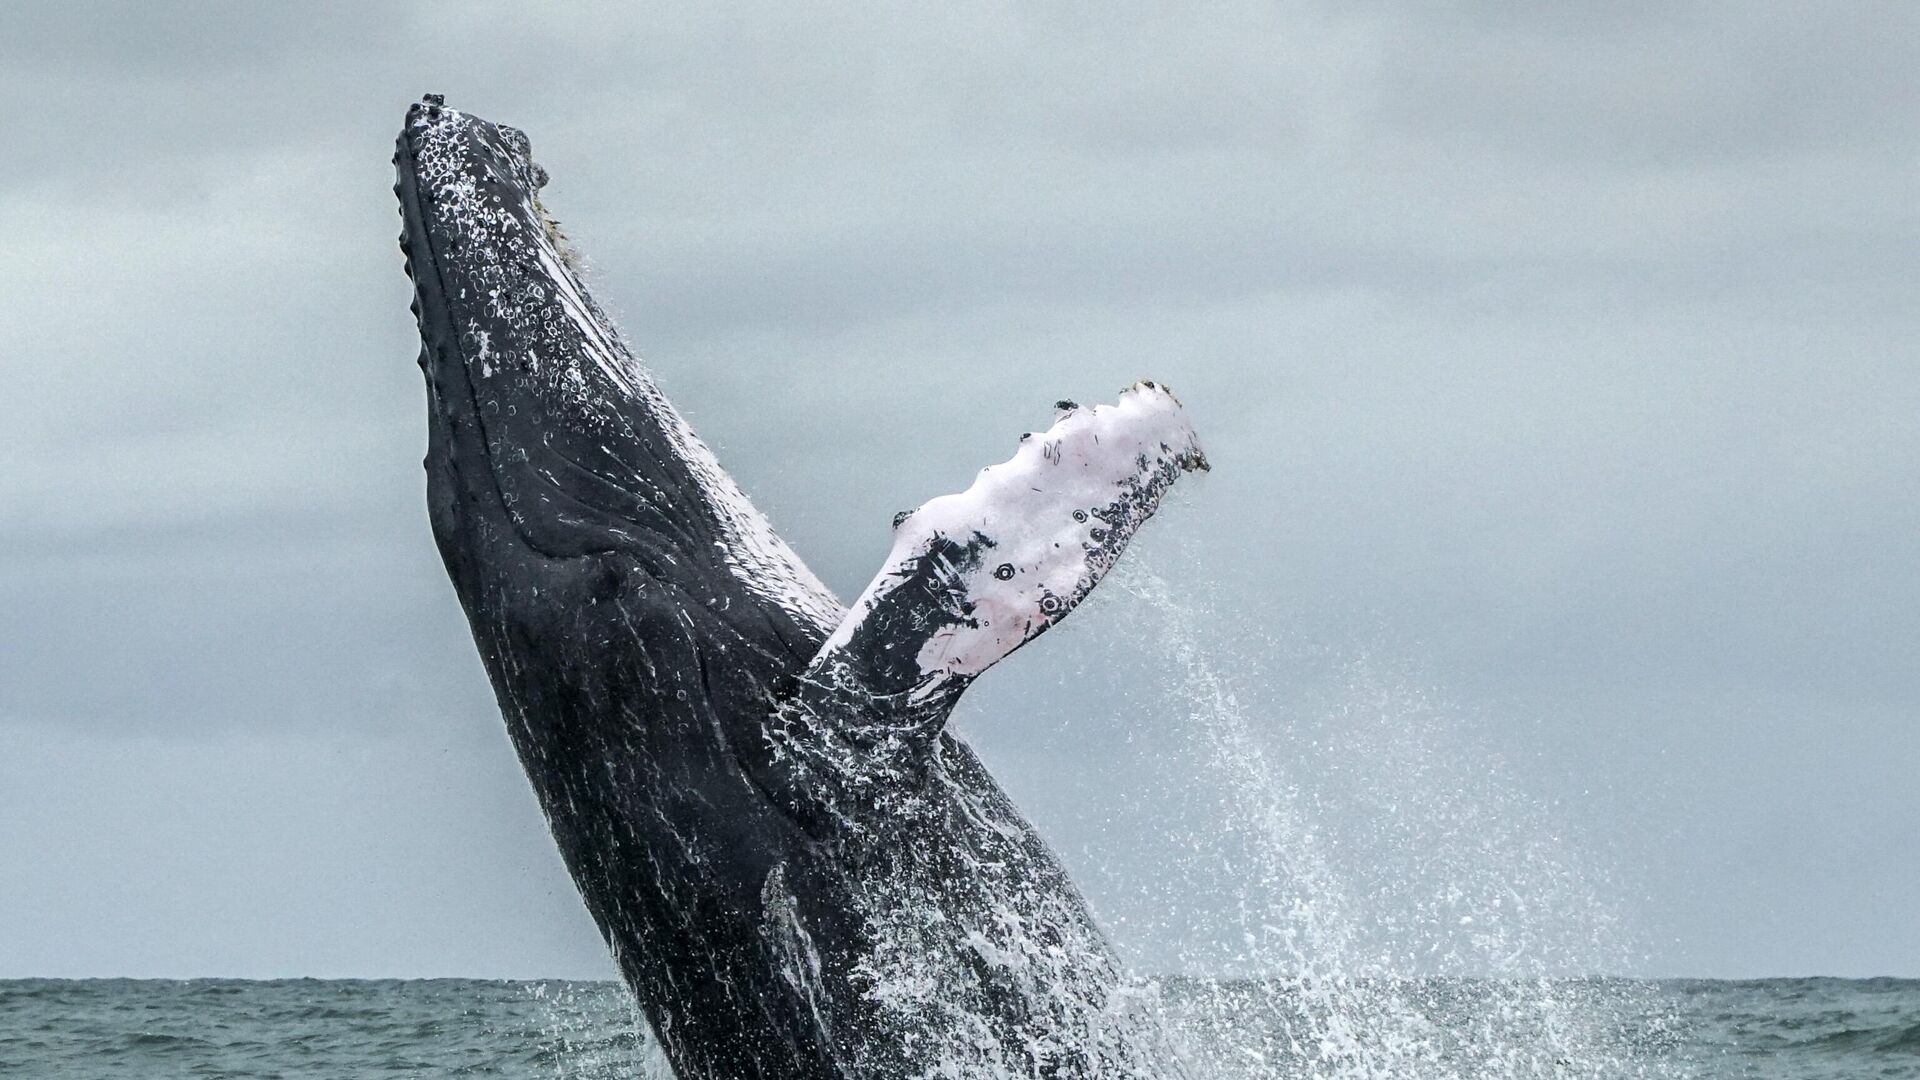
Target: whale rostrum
<point>799,871</point>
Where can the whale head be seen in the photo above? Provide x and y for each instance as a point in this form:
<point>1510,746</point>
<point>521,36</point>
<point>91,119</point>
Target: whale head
<point>547,439</point>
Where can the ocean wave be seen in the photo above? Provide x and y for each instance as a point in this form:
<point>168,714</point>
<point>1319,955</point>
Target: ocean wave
<point>305,1029</point>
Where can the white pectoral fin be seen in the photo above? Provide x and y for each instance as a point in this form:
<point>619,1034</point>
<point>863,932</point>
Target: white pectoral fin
<point>975,575</point>
<point>971,577</point>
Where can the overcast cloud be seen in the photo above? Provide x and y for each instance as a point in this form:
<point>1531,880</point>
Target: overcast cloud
<point>1561,359</point>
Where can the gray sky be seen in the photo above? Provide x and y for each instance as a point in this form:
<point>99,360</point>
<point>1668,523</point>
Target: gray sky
<point>1557,363</point>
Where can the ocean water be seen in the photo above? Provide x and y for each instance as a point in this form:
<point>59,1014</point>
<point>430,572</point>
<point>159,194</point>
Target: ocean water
<point>1806,1029</point>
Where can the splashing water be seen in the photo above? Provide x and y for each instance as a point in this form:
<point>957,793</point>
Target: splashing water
<point>1366,890</point>
<point>1371,895</point>
<point>595,1031</point>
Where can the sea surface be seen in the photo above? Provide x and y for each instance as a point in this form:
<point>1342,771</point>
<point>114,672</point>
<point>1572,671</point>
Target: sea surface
<point>1801,1028</point>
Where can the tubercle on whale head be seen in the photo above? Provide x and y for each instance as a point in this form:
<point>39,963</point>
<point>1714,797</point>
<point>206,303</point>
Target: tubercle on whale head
<point>432,111</point>
<point>1009,557</point>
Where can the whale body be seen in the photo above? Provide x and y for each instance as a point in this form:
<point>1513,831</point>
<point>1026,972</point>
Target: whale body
<point>799,871</point>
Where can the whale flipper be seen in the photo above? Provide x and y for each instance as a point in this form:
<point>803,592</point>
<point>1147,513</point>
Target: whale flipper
<point>972,577</point>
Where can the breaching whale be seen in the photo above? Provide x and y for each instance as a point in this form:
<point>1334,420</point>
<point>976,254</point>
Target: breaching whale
<point>799,871</point>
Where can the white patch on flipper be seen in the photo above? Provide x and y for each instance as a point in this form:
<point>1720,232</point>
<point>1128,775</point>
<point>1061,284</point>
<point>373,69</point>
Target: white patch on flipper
<point>1056,515</point>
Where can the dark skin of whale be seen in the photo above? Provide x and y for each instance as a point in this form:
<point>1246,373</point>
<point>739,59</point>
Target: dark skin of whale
<point>651,661</point>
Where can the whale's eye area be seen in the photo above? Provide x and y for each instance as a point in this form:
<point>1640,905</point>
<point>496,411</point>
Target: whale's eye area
<point>1050,605</point>
<point>1004,571</point>
<point>1079,515</point>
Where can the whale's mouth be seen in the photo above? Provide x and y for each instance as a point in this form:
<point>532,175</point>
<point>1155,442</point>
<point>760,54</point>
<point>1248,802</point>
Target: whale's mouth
<point>541,418</point>
<point>524,376</point>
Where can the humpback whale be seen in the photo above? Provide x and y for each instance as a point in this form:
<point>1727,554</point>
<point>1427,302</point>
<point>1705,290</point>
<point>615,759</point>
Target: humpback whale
<point>799,871</point>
